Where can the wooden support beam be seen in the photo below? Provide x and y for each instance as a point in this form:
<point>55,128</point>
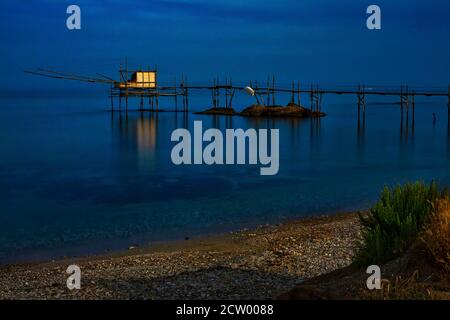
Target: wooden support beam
<point>448,104</point>
<point>359,100</point>
<point>112,99</point>
<point>401,97</point>
<point>213,94</point>
<point>273,90</point>
<point>226,93</point>
<point>292,93</point>
<point>187,97</point>
<point>126,83</point>
<point>231,93</point>
<point>218,92</point>
<point>407,105</point>
<point>363,102</point>
<point>231,98</point>
<point>318,98</point>
<point>176,96</point>
<point>320,101</point>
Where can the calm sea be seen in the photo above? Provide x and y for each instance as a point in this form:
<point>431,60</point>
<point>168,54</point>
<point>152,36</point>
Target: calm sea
<point>76,179</point>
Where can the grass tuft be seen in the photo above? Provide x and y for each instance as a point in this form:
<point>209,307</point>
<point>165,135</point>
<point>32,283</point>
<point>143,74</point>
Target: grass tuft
<point>436,235</point>
<point>396,220</point>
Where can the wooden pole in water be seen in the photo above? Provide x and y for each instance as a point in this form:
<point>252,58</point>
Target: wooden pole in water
<point>126,84</point>
<point>214,93</point>
<point>401,97</point>
<point>176,95</point>
<point>218,92</point>
<point>292,93</point>
<point>231,93</point>
<point>364,101</point>
<point>273,90</point>
<point>187,97</point>
<point>149,101</point>
<point>120,90</point>
<point>112,99</point>
<point>319,99</point>
<point>256,94</point>
<point>448,104</point>
<point>359,100</point>
<point>226,93</point>
<point>120,100</point>
<point>231,98</point>
<point>183,93</point>
<point>311,98</point>
<point>401,106</point>
<point>407,106</point>
<point>413,107</point>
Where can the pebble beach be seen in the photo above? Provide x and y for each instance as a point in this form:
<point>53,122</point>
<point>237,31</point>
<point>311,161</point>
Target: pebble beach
<point>252,264</point>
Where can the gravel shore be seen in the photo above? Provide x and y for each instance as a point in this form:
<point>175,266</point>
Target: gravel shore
<point>257,264</point>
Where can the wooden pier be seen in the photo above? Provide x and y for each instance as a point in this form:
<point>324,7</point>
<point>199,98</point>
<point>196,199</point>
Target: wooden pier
<point>143,85</point>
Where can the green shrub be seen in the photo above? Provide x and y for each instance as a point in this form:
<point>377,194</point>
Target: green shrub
<point>395,221</point>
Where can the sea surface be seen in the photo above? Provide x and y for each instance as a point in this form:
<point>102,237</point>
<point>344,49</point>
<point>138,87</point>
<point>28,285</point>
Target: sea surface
<point>77,179</point>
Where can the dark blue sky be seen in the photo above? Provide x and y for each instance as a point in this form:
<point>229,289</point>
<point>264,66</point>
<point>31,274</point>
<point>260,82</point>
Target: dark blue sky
<point>323,41</point>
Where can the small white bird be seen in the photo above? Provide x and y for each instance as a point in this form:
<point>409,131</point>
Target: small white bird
<point>249,91</point>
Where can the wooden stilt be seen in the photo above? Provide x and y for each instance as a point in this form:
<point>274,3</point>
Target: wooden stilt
<point>112,99</point>
<point>213,93</point>
<point>292,93</point>
<point>126,84</point>
<point>231,92</point>
<point>176,95</point>
<point>401,99</point>
<point>273,90</point>
<point>226,93</point>
<point>218,93</point>
<point>363,102</point>
<point>359,101</point>
<point>187,97</point>
<point>183,90</point>
<point>407,106</point>
<point>448,105</point>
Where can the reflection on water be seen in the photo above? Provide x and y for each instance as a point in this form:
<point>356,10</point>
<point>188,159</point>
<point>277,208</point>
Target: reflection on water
<point>74,182</point>
<point>146,140</point>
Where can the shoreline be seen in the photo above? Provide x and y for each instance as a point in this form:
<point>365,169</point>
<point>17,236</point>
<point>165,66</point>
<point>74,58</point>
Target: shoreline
<point>260,263</point>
